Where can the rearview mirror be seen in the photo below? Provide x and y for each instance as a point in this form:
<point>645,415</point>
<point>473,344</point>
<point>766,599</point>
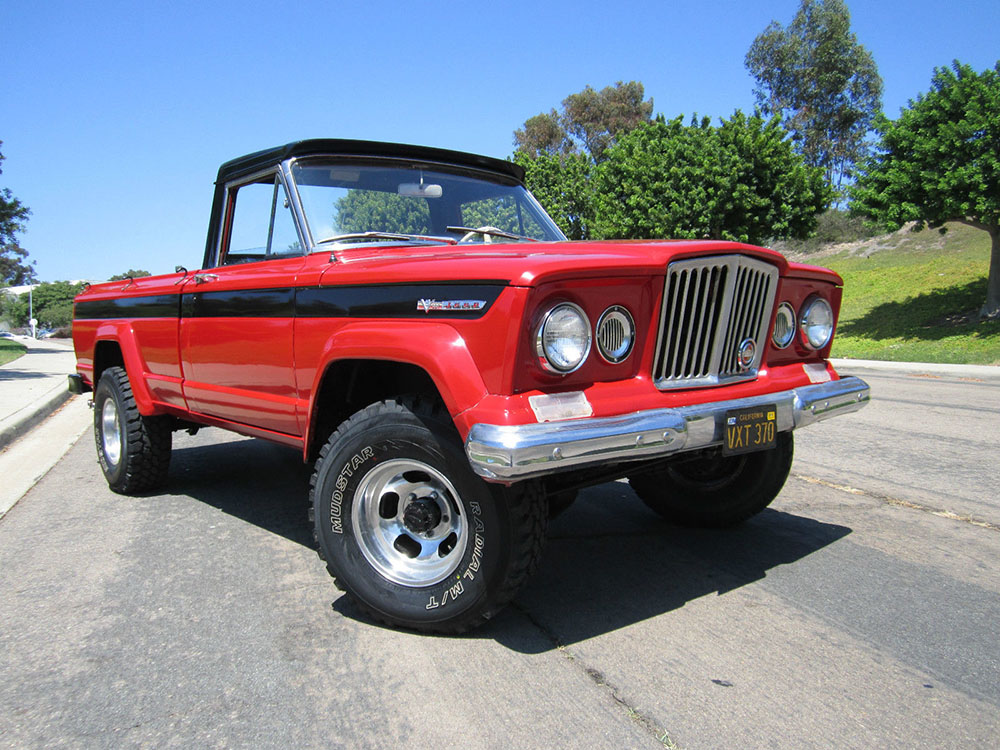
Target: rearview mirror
<point>419,190</point>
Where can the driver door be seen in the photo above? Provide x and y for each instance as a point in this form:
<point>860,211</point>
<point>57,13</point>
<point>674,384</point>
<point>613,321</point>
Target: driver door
<point>237,318</point>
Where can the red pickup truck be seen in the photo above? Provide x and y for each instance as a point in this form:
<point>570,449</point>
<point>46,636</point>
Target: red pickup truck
<point>413,322</point>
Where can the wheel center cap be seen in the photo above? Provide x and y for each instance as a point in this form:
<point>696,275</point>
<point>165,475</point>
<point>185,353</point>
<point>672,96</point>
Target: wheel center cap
<point>422,515</point>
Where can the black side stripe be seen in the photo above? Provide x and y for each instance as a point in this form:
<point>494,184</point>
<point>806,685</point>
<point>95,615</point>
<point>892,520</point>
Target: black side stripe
<point>157,306</point>
<point>240,303</point>
<point>396,301</point>
<point>443,300</point>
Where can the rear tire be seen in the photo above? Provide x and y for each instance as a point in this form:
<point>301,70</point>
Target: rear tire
<point>410,532</point>
<point>717,491</point>
<point>133,450</point>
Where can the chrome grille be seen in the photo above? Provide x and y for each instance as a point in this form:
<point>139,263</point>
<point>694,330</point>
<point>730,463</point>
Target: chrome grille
<point>710,307</point>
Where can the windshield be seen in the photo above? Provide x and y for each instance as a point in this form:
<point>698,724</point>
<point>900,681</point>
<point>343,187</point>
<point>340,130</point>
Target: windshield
<point>349,202</point>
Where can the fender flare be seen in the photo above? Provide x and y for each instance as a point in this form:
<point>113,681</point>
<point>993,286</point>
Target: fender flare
<point>437,349</point>
<point>120,332</point>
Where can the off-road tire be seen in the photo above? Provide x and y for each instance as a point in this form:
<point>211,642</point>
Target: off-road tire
<point>395,556</point>
<point>717,491</point>
<point>133,450</point>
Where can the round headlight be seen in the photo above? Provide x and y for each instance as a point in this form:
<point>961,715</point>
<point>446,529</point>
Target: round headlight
<point>563,338</point>
<point>816,322</point>
<point>784,326</point>
<point>615,334</point>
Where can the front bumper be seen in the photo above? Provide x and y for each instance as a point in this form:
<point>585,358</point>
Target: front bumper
<point>507,453</point>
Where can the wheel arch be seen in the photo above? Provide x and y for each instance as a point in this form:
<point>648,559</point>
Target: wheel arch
<point>367,363</point>
<point>113,349</point>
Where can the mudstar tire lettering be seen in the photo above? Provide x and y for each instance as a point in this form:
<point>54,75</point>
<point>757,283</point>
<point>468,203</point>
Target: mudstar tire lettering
<point>337,499</point>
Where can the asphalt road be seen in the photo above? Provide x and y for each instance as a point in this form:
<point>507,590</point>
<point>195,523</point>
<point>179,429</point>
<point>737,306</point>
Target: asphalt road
<point>859,611</point>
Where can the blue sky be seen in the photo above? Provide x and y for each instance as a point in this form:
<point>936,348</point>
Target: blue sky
<point>115,116</point>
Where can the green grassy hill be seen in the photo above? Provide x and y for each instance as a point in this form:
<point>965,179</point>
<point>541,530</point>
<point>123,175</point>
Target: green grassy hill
<point>912,296</point>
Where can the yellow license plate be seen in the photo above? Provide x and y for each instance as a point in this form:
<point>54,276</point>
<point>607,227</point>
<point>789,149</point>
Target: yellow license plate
<point>752,428</point>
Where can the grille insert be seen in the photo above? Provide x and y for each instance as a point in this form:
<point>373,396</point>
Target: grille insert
<point>710,307</point>
<point>615,334</point>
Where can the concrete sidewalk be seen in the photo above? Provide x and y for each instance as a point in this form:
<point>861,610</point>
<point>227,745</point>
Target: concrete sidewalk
<point>986,373</point>
<point>34,385</point>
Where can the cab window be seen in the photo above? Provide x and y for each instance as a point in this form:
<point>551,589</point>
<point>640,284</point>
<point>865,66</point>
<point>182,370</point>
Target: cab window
<point>262,225</point>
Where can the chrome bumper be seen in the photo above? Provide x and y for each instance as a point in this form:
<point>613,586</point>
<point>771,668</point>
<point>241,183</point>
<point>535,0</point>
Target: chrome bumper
<point>512,452</point>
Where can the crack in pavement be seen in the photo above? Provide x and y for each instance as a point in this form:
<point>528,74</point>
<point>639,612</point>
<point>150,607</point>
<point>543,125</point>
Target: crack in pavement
<point>660,734</point>
<point>895,501</point>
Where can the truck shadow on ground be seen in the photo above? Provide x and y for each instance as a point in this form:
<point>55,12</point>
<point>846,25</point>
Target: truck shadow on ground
<point>609,562</point>
<point>264,484</point>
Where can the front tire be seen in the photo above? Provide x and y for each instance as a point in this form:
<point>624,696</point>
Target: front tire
<point>717,491</point>
<point>133,450</point>
<point>410,532</point>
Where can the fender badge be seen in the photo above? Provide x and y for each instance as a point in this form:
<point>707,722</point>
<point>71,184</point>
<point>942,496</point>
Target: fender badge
<point>450,305</point>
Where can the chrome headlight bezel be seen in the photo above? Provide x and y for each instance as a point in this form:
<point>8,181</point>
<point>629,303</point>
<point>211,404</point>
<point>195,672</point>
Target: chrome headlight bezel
<point>551,346</point>
<point>623,337</point>
<point>816,322</point>
<point>784,322</point>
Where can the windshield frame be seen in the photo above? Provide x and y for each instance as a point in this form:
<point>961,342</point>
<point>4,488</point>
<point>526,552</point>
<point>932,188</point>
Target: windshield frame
<point>288,168</point>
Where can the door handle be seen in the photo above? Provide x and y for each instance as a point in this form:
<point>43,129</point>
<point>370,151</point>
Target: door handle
<point>203,278</point>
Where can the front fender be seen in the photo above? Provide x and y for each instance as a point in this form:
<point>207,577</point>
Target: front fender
<point>438,349</point>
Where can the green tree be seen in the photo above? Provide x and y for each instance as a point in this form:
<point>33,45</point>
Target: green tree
<point>370,210</point>
<point>129,274</point>
<point>561,183</point>
<point>14,270</point>
<point>822,82</point>
<point>52,305</point>
<point>940,161</point>
<point>543,134</point>
<point>590,122</point>
<point>739,181</point>
<point>559,150</point>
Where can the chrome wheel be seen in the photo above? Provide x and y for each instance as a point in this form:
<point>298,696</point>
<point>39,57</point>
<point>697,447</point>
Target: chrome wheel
<point>409,522</point>
<point>111,436</point>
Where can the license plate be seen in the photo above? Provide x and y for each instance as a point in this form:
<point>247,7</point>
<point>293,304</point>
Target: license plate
<point>752,428</point>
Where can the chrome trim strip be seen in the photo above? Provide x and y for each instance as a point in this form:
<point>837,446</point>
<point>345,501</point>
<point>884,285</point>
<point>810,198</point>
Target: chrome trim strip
<point>513,452</point>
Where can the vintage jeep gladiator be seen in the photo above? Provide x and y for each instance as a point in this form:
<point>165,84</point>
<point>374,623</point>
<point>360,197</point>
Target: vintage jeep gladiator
<point>413,322</point>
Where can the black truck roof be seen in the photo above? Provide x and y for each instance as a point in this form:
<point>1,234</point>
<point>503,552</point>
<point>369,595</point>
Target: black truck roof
<point>254,162</point>
<point>261,160</point>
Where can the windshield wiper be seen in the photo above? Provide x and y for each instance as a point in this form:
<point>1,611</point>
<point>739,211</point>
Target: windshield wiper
<point>491,231</point>
<point>388,236</point>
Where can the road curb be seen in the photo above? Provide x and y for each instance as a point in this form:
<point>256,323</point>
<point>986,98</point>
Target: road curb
<point>990,373</point>
<point>22,421</point>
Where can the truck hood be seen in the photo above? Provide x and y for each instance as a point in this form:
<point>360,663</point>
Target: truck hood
<point>533,263</point>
